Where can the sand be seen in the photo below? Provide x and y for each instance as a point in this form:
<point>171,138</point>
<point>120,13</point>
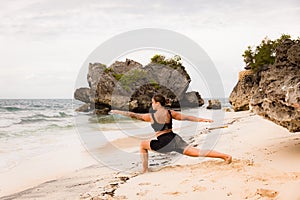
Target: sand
<point>265,165</point>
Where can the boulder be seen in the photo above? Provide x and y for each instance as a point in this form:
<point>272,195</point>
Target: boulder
<point>83,94</point>
<point>130,86</point>
<point>191,99</point>
<point>176,80</point>
<point>84,108</point>
<point>214,104</point>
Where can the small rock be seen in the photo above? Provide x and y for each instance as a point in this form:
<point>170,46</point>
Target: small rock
<point>227,109</point>
<point>84,108</point>
<point>214,104</point>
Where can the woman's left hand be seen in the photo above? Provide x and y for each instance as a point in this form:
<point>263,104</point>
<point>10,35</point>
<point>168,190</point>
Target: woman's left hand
<point>115,111</point>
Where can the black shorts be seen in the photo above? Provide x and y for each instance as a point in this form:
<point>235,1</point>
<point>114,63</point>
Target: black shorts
<point>168,142</point>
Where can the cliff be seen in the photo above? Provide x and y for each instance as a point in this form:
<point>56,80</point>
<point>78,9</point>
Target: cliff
<point>274,90</point>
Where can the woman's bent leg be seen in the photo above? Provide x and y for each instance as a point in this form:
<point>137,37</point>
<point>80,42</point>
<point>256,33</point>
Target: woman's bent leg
<point>144,147</point>
<point>194,152</point>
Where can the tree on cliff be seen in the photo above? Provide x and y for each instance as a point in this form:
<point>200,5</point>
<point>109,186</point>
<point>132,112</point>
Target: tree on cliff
<point>264,54</point>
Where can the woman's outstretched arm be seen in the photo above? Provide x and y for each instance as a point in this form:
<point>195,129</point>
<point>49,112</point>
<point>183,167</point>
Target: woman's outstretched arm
<point>180,116</point>
<point>143,117</point>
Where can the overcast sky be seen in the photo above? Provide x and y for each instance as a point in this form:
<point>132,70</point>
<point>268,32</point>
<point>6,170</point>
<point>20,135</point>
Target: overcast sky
<point>45,42</point>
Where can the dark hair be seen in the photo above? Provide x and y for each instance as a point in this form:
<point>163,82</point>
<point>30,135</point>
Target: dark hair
<point>160,98</point>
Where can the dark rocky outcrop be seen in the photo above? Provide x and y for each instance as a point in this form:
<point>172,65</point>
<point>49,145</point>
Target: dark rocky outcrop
<point>274,91</point>
<point>214,104</point>
<point>130,86</point>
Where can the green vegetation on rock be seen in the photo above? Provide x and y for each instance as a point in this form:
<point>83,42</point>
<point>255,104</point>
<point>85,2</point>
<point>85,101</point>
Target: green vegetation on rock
<point>107,70</point>
<point>174,62</point>
<point>117,76</point>
<point>131,77</point>
<point>264,54</point>
<point>154,84</point>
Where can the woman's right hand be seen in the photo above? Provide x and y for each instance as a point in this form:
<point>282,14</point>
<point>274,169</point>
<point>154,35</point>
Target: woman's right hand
<point>207,120</point>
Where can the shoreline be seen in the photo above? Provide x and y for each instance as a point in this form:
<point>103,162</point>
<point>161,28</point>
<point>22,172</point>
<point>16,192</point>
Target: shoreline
<point>46,166</point>
<point>260,150</point>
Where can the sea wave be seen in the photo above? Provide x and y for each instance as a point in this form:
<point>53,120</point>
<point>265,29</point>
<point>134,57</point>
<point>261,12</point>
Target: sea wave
<point>26,121</point>
<point>51,126</point>
<point>4,123</point>
<point>12,132</point>
<point>11,108</point>
<point>50,115</point>
<point>23,117</point>
<point>36,118</point>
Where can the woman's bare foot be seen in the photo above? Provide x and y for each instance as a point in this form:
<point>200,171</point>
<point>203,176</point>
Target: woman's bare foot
<point>228,159</point>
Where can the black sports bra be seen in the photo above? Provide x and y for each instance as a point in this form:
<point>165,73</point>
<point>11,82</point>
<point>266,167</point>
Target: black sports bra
<point>160,127</point>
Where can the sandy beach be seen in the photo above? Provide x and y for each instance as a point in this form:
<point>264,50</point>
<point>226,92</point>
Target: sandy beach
<point>265,165</point>
<point>84,84</point>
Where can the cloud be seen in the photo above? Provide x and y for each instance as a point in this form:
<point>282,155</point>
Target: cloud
<point>54,37</point>
<point>39,14</point>
<point>54,17</point>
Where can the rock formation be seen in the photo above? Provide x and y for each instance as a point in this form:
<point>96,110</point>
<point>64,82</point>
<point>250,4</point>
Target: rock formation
<point>244,90</point>
<point>274,91</point>
<point>214,104</point>
<point>130,86</point>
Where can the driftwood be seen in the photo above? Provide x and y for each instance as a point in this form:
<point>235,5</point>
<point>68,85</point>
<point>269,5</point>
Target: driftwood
<point>217,127</point>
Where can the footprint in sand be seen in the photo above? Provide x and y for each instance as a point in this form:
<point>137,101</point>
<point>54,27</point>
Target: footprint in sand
<point>198,188</point>
<point>143,193</point>
<point>185,181</point>
<point>147,183</point>
<point>266,193</point>
<point>172,193</point>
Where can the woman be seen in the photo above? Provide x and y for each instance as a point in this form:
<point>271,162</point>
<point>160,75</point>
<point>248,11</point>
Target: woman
<point>167,141</point>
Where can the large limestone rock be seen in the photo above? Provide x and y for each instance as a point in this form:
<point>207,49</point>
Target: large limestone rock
<point>274,92</point>
<point>130,86</point>
<point>279,88</point>
<point>243,91</point>
<point>95,72</point>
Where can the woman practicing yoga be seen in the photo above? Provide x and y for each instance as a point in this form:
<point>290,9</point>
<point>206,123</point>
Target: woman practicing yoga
<point>167,141</point>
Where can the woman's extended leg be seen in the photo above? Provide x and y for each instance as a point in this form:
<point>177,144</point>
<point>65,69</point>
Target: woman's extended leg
<point>144,147</point>
<point>194,152</point>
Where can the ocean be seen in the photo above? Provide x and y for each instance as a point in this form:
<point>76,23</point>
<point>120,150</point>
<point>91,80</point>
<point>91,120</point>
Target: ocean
<point>32,127</point>
<point>27,117</point>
